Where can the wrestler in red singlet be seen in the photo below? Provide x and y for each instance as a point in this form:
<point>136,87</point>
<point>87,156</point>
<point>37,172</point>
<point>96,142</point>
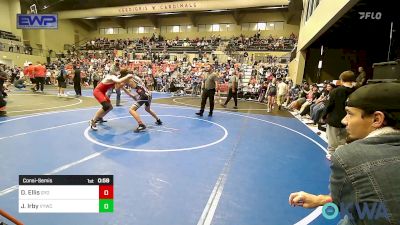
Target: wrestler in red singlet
<point>100,92</point>
<point>110,81</point>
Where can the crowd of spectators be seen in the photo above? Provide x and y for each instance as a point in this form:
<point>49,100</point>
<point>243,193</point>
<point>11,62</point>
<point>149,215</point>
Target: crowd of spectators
<point>240,43</point>
<point>147,43</point>
<point>256,43</point>
<point>160,74</point>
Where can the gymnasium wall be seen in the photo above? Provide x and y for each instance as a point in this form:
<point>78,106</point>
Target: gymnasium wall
<point>5,16</point>
<point>8,11</point>
<point>322,18</point>
<point>201,19</point>
<point>335,61</point>
<point>20,59</point>
<point>55,39</point>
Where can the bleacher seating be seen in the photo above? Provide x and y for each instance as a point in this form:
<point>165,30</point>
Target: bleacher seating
<point>178,46</point>
<point>8,35</point>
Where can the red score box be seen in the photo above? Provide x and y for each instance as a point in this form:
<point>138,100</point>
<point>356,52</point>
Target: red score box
<point>106,192</point>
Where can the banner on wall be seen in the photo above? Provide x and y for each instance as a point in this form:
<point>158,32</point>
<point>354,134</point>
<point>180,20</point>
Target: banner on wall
<point>37,21</point>
<point>169,7</point>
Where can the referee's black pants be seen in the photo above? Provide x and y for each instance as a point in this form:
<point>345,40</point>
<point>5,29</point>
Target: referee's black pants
<point>77,87</point>
<point>207,94</point>
<point>39,83</point>
<point>230,95</point>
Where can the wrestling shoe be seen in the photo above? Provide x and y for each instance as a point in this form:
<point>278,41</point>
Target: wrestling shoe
<point>93,125</point>
<point>101,120</point>
<point>199,113</point>
<point>141,127</point>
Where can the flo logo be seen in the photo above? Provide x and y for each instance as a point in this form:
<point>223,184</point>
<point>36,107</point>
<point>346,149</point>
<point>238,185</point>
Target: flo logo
<point>370,15</point>
<point>366,211</point>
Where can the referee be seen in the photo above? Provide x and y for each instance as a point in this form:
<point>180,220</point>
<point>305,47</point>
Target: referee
<point>233,90</point>
<point>209,85</point>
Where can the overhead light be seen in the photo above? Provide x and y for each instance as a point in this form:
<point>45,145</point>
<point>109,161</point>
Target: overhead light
<point>91,18</point>
<point>127,16</point>
<point>168,13</point>
<point>218,10</point>
<point>228,25</point>
<point>276,7</point>
<point>4,56</point>
<point>189,27</point>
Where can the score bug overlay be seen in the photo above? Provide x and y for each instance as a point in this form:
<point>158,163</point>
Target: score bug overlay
<point>66,194</point>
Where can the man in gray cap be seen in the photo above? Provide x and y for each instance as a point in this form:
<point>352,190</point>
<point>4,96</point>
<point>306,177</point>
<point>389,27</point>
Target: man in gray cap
<point>365,172</point>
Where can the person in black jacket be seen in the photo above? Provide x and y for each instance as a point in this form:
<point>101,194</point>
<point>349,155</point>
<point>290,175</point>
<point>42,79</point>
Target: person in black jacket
<point>335,112</point>
<point>77,81</point>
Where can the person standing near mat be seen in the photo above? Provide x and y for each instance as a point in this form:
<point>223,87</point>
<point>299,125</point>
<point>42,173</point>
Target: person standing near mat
<point>61,82</point>
<point>271,93</point>
<point>233,89</point>
<point>40,75</point>
<point>209,85</point>
<point>365,171</point>
<point>109,82</point>
<point>142,96</point>
<point>335,111</point>
<point>77,81</point>
<point>283,90</point>
<point>30,72</point>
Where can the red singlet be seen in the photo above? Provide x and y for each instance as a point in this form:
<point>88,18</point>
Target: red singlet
<point>100,92</point>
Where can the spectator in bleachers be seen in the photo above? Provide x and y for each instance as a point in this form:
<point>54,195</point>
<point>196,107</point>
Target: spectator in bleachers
<point>18,48</point>
<point>3,103</point>
<point>312,97</point>
<point>11,46</point>
<point>14,74</point>
<point>317,108</point>
<point>361,78</point>
<point>19,83</point>
<point>298,101</point>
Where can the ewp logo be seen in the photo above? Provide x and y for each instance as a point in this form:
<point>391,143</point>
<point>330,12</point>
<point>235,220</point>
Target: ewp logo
<point>373,211</point>
<point>37,21</point>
